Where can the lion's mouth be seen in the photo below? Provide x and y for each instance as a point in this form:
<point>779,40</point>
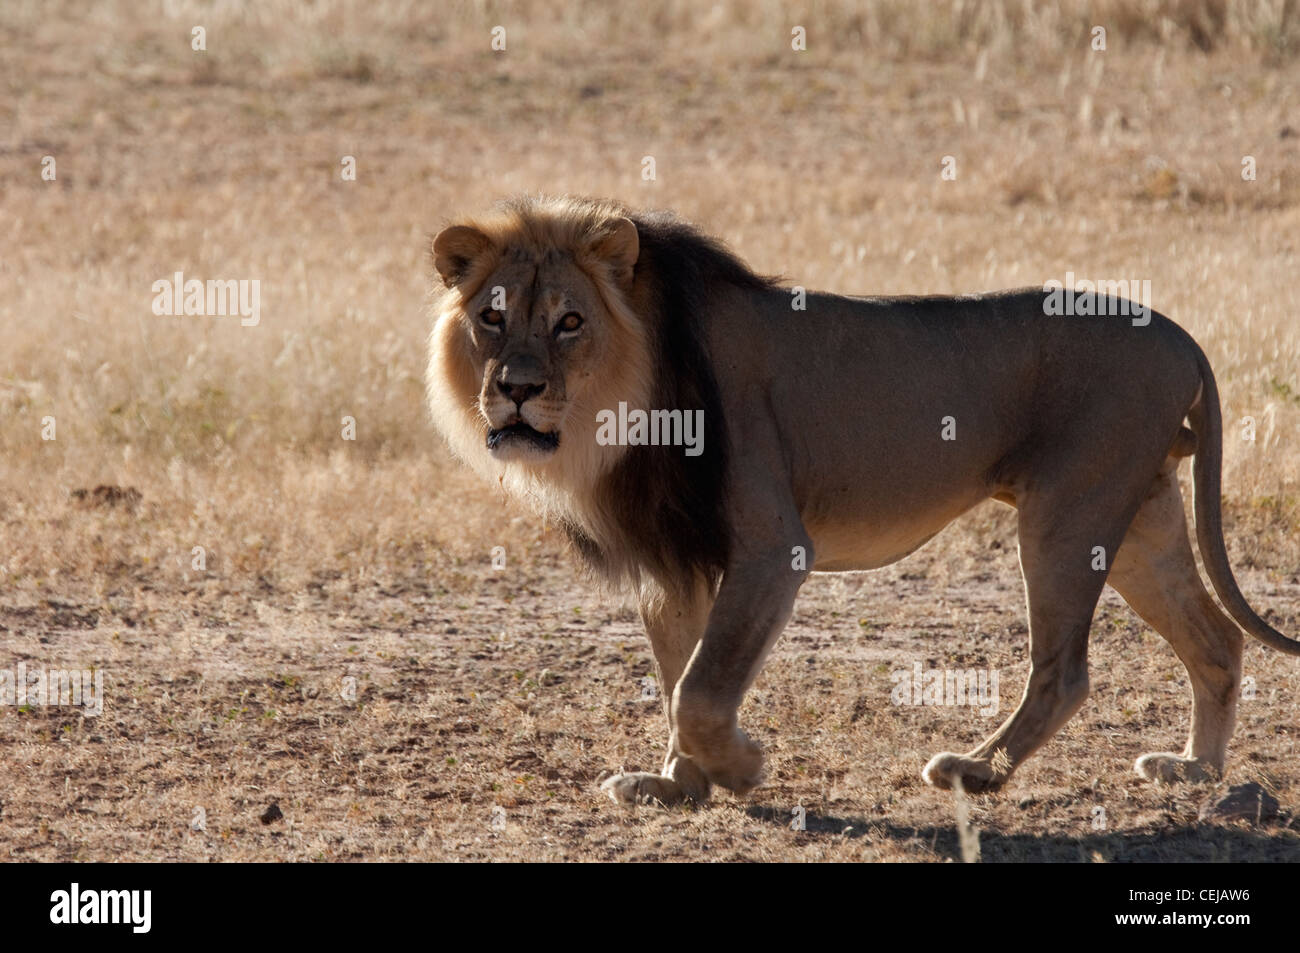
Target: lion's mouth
<point>521,435</point>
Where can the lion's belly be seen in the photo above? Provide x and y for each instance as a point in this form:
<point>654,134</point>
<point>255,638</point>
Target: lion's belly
<point>870,541</point>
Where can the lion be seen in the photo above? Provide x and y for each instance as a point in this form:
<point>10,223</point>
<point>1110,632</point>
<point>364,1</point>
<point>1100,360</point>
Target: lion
<point>840,437</point>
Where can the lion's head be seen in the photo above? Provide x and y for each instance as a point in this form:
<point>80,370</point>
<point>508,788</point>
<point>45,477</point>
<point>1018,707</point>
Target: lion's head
<point>534,336</point>
<point>554,310</point>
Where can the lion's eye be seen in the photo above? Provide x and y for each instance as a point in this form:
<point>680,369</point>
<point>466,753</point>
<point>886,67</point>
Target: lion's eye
<point>570,322</point>
<point>491,317</point>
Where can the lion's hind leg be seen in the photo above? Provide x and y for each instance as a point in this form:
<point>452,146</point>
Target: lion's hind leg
<point>1067,530</point>
<point>1156,574</point>
<point>1062,594</point>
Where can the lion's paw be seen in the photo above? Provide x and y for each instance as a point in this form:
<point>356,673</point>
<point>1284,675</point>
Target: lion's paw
<point>1169,768</point>
<point>641,787</point>
<point>724,754</point>
<point>976,775</point>
<point>738,768</point>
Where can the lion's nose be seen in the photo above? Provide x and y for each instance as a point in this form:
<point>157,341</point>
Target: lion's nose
<point>520,392</point>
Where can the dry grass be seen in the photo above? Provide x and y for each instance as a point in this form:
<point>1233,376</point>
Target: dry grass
<point>328,557</point>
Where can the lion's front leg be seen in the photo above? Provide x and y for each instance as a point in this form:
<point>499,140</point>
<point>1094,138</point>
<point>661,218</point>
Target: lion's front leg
<point>753,606</point>
<point>674,624</point>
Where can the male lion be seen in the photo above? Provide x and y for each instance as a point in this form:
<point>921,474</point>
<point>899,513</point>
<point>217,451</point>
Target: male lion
<point>824,438</point>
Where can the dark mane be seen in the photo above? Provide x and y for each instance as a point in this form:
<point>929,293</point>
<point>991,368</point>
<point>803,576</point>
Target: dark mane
<point>683,256</point>
<point>671,506</point>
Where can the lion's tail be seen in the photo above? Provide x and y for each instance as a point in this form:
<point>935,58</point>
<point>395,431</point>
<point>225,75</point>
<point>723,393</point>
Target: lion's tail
<point>1207,422</point>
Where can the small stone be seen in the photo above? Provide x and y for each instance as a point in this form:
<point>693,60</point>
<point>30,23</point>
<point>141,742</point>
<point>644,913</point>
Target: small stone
<point>272,814</point>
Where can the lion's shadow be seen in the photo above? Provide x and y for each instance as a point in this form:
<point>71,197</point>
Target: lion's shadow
<point>1197,843</point>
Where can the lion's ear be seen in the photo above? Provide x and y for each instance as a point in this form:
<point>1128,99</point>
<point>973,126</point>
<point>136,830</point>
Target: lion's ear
<point>618,245</point>
<point>455,249</point>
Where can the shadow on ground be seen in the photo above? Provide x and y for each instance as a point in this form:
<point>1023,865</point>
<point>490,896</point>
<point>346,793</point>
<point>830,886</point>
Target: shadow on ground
<point>1199,843</point>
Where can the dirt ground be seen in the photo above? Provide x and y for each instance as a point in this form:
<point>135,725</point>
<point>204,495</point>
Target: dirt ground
<point>522,693</point>
<point>287,616</point>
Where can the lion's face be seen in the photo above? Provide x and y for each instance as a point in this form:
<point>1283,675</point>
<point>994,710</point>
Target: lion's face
<point>534,339</point>
<point>539,336</point>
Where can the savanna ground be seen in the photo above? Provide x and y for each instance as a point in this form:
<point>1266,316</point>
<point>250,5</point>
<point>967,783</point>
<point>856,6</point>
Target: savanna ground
<point>327,559</point>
